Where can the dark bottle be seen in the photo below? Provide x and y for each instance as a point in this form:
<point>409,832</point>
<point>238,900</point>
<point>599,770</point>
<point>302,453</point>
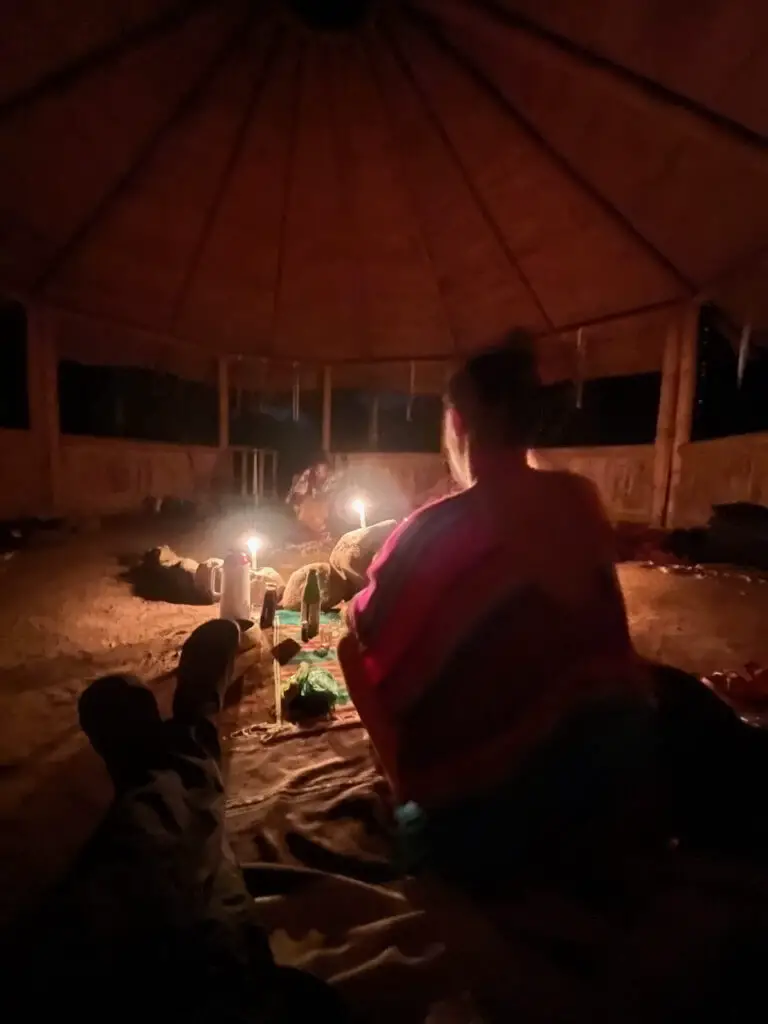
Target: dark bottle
<point>268,609</point>
<point>310,607</point>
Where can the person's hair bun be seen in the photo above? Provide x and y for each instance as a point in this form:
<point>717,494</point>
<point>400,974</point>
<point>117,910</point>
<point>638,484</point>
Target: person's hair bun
<point>501,384</point>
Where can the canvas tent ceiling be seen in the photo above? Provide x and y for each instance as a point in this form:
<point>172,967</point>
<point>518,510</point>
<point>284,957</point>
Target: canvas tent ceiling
<point>218,172</point>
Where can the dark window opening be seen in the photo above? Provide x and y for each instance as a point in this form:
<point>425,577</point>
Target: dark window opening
<point>350,420</point>
<point>143,405</point>
<point>722,406</point>
<point>266,421</point>
<point>613,411</point>
<point>419,433</point>
<point>14,383</point>
<point>397,431</point>
<point>254,422</point>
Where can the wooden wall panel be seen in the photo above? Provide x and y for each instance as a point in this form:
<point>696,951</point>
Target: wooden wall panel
<point>719,471</point>
<point>102,476</point>
<point>413,473</point>
<point>623,474</point>
<point>23,475</point>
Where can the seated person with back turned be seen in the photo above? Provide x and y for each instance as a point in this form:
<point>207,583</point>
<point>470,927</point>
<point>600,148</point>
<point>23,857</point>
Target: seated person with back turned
<point>490,657</point>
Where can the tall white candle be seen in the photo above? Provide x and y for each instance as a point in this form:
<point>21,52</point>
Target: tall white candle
<point>254,546</point>
<point>358,506</point>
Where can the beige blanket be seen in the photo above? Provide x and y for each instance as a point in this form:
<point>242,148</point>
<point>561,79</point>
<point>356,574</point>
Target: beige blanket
<point>309,813</point>
<point>309,818</point>
<point>311,808</point>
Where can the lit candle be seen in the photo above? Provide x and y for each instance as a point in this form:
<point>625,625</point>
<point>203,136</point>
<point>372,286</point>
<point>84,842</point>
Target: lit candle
<point>255,544</point>
<point>358,507</point>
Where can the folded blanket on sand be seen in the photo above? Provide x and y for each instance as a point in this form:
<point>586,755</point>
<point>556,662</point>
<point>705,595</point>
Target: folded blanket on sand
<point>309,815</point>
<point>309,811</point>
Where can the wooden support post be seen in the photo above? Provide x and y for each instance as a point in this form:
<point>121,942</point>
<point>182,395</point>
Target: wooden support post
<point>262,473</point>
<point>225,471</point>
<point>665,422</point>
<point>327,410</point>
<point>373,432</point>
<point>43,392</point>
<point>686,395</point>
<point>223,402</point>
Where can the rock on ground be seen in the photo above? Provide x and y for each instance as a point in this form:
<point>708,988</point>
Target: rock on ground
<point>162,575</point>
<point>263,578</point>
<point>355,551</point>
<point>260,580</point>
<point>333,589</point>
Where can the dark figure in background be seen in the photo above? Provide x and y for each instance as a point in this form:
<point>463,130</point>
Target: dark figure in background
<point>320,496</point>
<point>311,483</point>
<point>309,496</point>
<point>156,922</point>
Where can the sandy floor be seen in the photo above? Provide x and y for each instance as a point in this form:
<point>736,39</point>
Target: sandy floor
<point>66,616</point>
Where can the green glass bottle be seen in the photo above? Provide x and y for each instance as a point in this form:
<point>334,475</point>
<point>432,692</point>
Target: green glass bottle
<point>310,607</point>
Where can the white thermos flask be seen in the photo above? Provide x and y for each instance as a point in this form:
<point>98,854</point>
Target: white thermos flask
<point>235,600</point>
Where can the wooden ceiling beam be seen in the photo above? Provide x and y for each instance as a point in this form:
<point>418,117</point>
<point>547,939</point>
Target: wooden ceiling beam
<point>556,332</point>
<point>408,193</point>
<point>145,153</point>
<point>289,176</point>
<point>656,92</point>
<point>228,171</point>
<point>490,221</point>
<point>741,265</point>
<point>63,77</point>
<point>432,27</point>
<point>613,318</point>
<point>153,333</point>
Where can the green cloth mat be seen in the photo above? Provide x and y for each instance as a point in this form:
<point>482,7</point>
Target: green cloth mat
<point>314,672</point>
<point>289,624</point>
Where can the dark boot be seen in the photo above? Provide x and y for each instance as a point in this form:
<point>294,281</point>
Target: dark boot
<point>121,719</point>
<point>205,670</point>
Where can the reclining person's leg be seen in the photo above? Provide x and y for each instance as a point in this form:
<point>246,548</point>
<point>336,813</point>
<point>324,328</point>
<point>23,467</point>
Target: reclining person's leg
<point>157,909</point>
<point>161,857</point>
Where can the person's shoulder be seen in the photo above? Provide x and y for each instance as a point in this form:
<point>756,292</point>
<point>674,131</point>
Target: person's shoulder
<point>580,502</point>
<point>577,497</point>
<point>431,523</point>
<point>573,485</point>
<point>448,509</point>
